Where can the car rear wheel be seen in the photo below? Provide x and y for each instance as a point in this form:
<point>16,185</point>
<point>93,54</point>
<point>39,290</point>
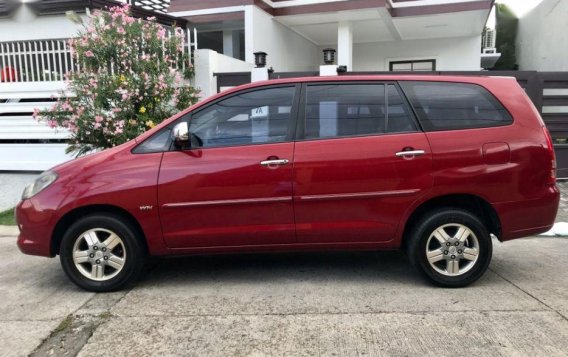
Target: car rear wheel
<point>450,247</point>
<point>101,253</point>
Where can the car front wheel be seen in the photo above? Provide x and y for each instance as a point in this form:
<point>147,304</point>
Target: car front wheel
<point>101,253</point>
<point>450,247</point>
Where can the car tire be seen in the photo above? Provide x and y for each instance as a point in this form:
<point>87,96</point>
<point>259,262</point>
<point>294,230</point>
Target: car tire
<point>101,253</point>
<point>450,247</point>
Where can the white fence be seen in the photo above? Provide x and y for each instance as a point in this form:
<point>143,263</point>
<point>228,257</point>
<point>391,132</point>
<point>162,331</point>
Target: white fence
<point>25,144</point>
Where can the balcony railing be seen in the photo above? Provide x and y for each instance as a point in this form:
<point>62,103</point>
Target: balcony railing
<point>49,60</point>
<point>35,61</point>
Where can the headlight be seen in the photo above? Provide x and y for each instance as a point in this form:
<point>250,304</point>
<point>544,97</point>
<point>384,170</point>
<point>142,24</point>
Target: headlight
<point>44,180</point>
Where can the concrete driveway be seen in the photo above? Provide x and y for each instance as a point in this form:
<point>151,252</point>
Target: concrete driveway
<point>316,304</point>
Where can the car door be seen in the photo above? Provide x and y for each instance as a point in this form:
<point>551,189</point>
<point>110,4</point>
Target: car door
<point>360,161</point>
<point>234,185</point>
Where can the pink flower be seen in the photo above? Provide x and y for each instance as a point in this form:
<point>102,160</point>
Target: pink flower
<point>161,33</point>
<point>121,30</point>
<point>89,53</point>
<point>98,119</point>
<point>124,96</point>
<point>36,113</point>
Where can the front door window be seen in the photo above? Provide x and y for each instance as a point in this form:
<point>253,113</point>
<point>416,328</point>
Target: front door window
<point>256,117</point>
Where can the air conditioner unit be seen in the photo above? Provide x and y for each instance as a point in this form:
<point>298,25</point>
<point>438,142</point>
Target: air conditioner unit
<point>489,38</point>
<point>489,54</point>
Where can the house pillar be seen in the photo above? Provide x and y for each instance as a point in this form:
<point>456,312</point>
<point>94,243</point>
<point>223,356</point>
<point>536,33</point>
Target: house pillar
<point>345,45</point>
<point>231,43</point>
<point>228,45</point>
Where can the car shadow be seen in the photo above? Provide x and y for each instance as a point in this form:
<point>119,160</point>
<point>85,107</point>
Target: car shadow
<point>298,266</point>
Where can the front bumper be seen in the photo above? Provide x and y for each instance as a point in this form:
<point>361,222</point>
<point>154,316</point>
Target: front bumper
<point>36,228</point>
<point>526,218</point>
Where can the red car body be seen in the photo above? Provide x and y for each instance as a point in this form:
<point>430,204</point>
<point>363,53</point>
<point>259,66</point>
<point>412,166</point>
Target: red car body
<point>341,193</point>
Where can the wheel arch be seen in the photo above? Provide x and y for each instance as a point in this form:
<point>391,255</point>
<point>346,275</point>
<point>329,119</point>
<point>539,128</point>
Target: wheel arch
<point>70,217</point>
<point>469,202</point>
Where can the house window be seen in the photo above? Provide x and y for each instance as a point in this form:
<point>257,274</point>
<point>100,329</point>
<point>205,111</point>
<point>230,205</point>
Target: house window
<point>411,66</point>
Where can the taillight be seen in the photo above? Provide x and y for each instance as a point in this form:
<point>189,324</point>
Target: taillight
<point>551,180</point>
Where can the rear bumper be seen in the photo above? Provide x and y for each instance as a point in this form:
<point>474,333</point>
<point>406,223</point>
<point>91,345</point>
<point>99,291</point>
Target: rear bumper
<point>526,218</point>
<point>35,229</point>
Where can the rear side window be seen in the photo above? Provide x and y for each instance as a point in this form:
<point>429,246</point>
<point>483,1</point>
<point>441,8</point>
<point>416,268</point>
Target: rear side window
<point>340,110</point>
<point>453,106</point>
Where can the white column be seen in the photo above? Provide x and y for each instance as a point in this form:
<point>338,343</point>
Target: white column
<point>205,66</point>
<point>228,48</point>
<point>345,45</point>
<point>249,37</point>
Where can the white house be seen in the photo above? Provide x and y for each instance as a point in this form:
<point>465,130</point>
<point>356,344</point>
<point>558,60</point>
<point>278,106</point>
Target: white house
<point>368,35</point>
<point>542,44</point>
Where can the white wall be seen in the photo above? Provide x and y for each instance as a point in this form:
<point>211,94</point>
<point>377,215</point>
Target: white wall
<point>287,51</point>
<point>25,25</point>
<point>542,43</point>
<point>207,62</point>
<point>451,54</point>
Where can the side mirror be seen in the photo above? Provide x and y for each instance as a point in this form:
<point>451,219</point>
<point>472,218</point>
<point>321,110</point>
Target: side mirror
<point>181,134</point>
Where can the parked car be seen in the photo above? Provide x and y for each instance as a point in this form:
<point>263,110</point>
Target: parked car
<point>432,165</point>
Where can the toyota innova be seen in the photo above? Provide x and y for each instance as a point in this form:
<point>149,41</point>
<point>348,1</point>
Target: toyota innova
<point>432,165</point>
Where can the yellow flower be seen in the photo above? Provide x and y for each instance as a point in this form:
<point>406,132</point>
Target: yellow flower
<point>122,78</point>
<point>142,109</point>
<point>132,122</point>
<point>150,124</point>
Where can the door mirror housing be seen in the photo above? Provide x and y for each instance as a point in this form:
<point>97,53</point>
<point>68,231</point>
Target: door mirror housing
<point>181,134</point>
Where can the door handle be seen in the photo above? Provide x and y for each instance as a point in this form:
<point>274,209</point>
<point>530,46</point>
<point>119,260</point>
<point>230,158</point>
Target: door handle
<point>410,153</point>
<point>277,162</point>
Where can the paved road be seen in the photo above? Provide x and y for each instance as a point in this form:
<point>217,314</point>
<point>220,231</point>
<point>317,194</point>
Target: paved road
<point>316,304</point>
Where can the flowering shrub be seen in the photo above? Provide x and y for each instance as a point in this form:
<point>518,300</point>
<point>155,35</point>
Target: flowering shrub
<point>127,81</point>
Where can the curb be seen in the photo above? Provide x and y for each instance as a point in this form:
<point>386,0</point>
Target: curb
<point>560,229</point>
<point>10,231</point>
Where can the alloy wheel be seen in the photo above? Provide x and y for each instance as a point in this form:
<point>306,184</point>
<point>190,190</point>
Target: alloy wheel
<point>99,254</point>
<point>452,249</point>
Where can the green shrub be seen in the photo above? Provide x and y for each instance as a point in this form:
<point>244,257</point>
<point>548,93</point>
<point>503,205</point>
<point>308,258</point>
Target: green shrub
<point>130,79</point>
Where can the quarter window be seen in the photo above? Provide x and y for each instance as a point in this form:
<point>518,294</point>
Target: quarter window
<point>261,116</point>
<point>339,110</point>
<point>159,142</point>
<point>451,106</point>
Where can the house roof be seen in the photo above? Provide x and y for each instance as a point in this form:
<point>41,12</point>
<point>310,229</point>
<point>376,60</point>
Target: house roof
<point>397,8</point>
<point>51,7</point>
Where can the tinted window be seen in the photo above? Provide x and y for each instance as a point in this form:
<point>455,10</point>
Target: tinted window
<point>447,106</point>
<point>355,109</point>
<point>261,116</point>
<point>344,110</point>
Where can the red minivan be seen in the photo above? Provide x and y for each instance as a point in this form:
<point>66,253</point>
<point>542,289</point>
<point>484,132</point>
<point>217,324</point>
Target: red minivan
<point>432,165</point>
